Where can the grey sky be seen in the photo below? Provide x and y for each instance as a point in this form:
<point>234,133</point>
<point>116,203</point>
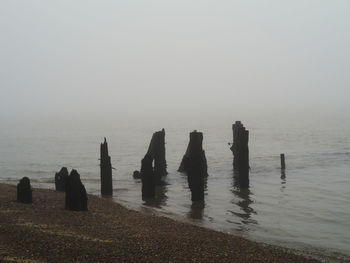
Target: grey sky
<point>59,57</point>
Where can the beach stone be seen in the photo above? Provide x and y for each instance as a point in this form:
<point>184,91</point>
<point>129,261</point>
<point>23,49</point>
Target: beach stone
<point>76,196</point>
<point>147,177</point>
<point>60,179</point>
<point>24,191</point>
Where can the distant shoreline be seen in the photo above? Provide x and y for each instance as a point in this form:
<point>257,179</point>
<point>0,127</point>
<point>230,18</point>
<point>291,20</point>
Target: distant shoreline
<point>45,232</point>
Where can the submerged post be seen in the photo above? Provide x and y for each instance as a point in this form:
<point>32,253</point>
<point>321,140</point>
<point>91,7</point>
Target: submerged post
<point>283,163</point>
<point>106,170</point>
<point>194,163</point>
<point>60,179</point>
<point>24,191</point>
<point>156,150</point>
<point>240,152</point>
<point>76,196</point>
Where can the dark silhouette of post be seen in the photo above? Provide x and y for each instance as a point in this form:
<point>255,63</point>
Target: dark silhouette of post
<point>76,196</point>
<point>182,167</point>
<point>106,170</point>
<point>152,176</point>
<point>156,150</point>
<point>240,152</point>
<point>24,191</point>
<point>194,164</point>
<point>147,177</point>
<point>60,179</point>
<point>283,163</point>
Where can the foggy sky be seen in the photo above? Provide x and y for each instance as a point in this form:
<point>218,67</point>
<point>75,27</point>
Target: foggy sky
<point>132,57</point>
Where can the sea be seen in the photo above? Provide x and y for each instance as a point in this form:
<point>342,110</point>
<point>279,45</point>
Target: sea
<point>306,208</point>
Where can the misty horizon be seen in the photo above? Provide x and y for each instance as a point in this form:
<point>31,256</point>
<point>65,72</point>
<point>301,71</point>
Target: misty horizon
<point>81,59</point>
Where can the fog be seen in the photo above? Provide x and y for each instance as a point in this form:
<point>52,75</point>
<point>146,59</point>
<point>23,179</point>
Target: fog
<point>138,58</point>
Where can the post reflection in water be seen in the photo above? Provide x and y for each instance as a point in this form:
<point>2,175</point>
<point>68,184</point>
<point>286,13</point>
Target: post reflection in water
<point>160,199</point>
<point>242,198</point>
<point>197,208</point>
<point>283,179</point>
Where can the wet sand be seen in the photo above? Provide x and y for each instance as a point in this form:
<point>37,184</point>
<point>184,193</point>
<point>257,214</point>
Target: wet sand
<point>45,232</point>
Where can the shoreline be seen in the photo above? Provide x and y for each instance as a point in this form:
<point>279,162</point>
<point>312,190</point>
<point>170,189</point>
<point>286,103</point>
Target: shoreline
<point>109,232</point>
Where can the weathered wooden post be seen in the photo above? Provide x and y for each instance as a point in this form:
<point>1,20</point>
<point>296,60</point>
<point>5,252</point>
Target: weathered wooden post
<point>240,152</point>
<point>24,191</point>
<point>283,163</point>
<point>194,163</point>
<point>60,179</point>
<point>156,150</point>
<point>106,170</point>
<point>182,167</point>
<point>147,177</point>
<point>76,196</point>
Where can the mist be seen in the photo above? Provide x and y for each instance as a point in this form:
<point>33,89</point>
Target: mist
<point>80,59</point>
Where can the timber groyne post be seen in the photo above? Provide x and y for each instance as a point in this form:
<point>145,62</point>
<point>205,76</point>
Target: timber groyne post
<point>24,191</point>
<point>240,152</point>
<point>106,170</point>
<point>194,164</point>
<point>76,196</point>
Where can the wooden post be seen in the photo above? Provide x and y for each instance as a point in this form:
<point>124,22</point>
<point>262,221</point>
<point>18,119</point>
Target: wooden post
<point>283,163</point>
<point>240,152</point>
<point>76,196</point>
<point>156,150</point>
<point>196,140</point>
<point>60,179</point>
<point>106,170</point>
<point>181,168</point>
<point>24,191</point>
<point>147,177</point>
<point>194,163</point>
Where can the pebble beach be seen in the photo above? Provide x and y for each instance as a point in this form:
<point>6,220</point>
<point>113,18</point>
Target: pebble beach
<point>108,232</point>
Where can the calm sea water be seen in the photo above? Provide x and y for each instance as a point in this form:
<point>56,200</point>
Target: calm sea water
<point>308,209</point>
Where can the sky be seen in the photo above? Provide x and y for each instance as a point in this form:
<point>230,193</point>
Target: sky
<point>108,58</point>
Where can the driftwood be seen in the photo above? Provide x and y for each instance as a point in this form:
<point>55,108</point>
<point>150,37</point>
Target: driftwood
<point>106,170</point>
<point>76,196</point>
<point>60,179</point>
<point>24,191</point>
<point>240,152</point>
